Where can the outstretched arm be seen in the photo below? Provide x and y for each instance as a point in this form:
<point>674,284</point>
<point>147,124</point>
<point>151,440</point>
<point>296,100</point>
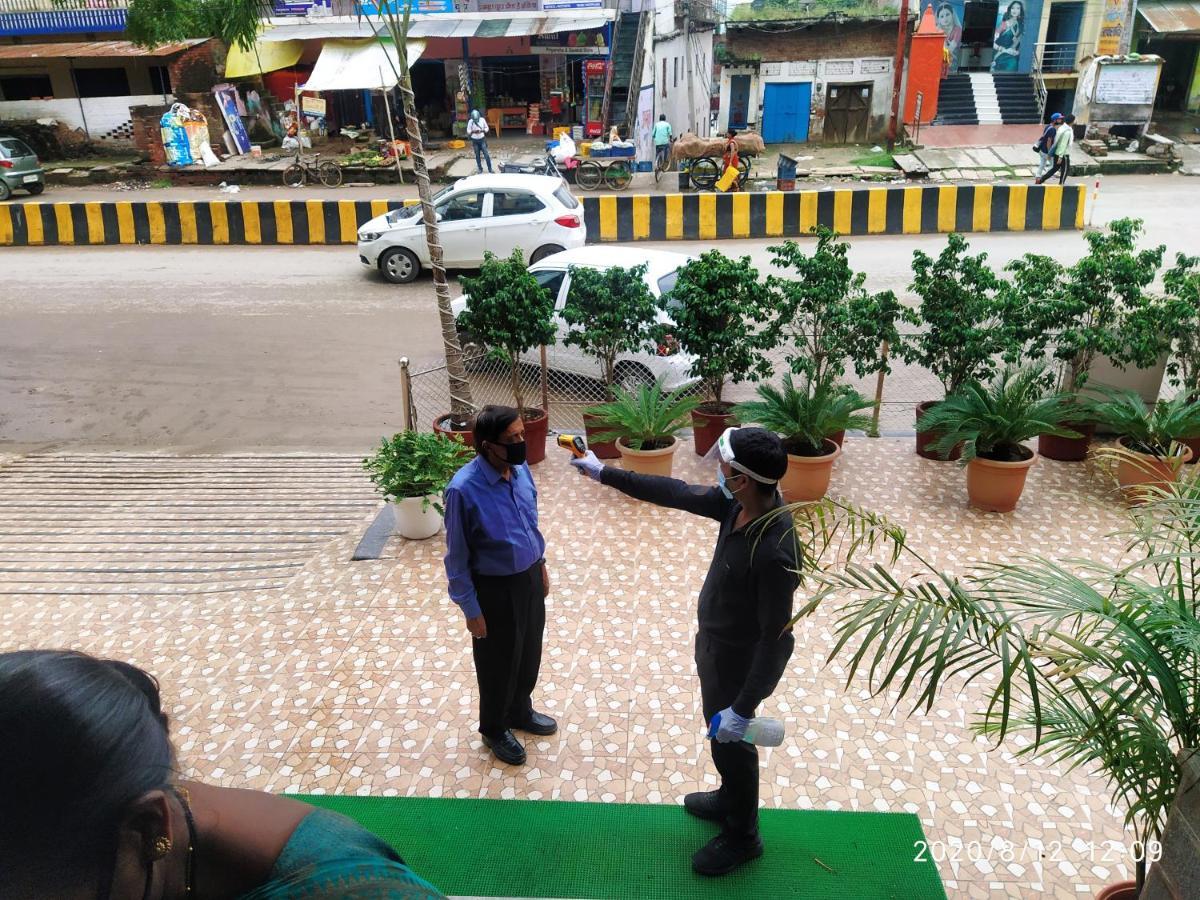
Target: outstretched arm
<point>669,492</point>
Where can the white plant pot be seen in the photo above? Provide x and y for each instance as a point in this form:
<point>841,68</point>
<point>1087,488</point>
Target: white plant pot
<point>415,523</point>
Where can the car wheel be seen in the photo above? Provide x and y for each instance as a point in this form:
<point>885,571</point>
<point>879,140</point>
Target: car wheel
<point>399,265</point>
<point>542,252</point>
<point>35,189</point>
<point>5,190</point>
<point>632,376</point>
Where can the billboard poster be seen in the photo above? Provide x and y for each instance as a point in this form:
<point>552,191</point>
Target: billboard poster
<point>571,43</point>
<point>1015,34</point>
<point>227,99</point>
<point>948,14</point>
<point>371,7</point>
<point>552,5</point>
<point>1112,26</point>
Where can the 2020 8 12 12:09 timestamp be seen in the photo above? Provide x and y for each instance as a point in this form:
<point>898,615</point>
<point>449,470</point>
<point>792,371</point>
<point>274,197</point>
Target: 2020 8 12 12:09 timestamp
<point>1002,850</point>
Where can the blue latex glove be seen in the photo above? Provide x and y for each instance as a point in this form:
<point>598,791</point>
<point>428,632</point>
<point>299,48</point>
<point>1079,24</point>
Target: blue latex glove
<point>589,465</point>
<point>727,726</point>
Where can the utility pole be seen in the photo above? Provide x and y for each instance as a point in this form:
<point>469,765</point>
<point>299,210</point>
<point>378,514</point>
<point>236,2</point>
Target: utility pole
<point>898,76</point>
<point>687,53</point>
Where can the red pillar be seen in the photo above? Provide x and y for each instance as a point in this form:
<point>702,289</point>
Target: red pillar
<point>924,69</point>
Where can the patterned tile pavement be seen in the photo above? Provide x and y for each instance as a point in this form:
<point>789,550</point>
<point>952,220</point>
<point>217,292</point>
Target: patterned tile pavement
<point>286,667</point>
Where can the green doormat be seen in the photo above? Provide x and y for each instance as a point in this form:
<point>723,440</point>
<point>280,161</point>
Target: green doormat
<point>616,851</point>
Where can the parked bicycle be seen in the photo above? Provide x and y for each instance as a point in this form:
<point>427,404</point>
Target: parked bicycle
<point>310,168</point>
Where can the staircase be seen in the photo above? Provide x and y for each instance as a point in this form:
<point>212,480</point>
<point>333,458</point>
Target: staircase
<point>627,60</point>
<point>984,98</point>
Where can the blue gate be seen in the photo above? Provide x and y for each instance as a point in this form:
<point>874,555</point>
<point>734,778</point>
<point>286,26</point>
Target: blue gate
<point>785,112</point>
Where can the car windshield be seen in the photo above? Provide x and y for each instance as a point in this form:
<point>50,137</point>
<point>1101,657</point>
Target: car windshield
<point>564,196</point>
<point>12,147</point>
<point>666,285</point>
<point>407,212</point>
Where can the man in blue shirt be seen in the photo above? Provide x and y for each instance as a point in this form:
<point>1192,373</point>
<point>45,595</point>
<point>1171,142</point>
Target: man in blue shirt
<point>662,139</point>
<point>497,571</point>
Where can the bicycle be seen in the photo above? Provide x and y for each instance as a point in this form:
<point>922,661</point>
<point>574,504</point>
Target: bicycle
<point>305,168</point>
<point>662,160</point>
<point>705,172</point>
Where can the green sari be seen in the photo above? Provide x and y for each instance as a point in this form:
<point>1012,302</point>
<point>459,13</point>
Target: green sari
<point>330,856</point>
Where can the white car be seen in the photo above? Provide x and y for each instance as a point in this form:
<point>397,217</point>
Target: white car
<point>632,369</point>
<point>499,213</point>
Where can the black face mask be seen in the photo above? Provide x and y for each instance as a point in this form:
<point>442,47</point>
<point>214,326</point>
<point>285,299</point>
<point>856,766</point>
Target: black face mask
<point>514,454</point>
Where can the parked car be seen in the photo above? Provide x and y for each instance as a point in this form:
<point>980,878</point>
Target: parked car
<point>19,168</point>
<point>500,213</point>
<point>632,370</point>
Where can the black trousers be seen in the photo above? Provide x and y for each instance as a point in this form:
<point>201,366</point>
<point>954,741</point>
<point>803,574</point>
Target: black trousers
<point>508,659</point>
<point>1062,165</point>
<point>722,673</point>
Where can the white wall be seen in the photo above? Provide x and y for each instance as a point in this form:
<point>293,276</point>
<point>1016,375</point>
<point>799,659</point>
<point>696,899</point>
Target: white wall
<point>671,95</point>
<point>108,118</point>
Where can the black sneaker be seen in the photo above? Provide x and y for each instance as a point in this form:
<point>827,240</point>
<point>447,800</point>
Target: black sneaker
<point>506,748</point>
<point>705,805</point>
<point>726,852</point>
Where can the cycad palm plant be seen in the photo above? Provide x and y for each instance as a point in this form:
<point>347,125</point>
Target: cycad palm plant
<point>994,421</point>
<point>806,416</point>
<point>1099,664</point>
<point>647,419</point>
<point>1147,429</point>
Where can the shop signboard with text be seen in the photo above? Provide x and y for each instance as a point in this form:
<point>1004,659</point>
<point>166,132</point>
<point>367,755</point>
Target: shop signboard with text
<point>593,42</point>
<point>372,7</point>
<point>551,5</point>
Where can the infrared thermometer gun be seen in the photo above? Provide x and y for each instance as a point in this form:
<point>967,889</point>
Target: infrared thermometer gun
<point>574,443</point>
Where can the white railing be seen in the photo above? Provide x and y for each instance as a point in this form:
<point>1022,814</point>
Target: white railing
<point>1055,57</point>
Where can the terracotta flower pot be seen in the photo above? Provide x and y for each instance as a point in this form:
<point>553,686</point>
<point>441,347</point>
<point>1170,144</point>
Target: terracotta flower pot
<point>602,449</point>
<point>1067,449</point>
<point>837,437</point>
<point>1124,890</point>
<point>808,477</point>
<point>648,462</point>
<point>537,423</point>
<point>441,425</point>
<point>1193,444</point>
<point>709,422</point>
<point>1144,470</point>
<point>926,440</point>
<point>995,485</point>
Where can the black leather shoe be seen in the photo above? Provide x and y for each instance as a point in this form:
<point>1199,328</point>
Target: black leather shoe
<point>536,724</point>
<point>726,852</point>
<point>506,748</point>
<point>705,805</point>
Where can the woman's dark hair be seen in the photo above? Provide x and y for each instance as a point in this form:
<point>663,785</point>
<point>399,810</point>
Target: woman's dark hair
<point>81,739</point>
<point>491,422</point>
<point>1008,13</point>
<point>761,452</point>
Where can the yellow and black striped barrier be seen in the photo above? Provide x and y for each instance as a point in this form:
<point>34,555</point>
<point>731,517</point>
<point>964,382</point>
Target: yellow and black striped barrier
<point>618,217</point>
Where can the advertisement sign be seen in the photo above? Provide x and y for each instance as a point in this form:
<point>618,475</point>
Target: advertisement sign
<point>571,43</point>
<point>314,106</point>
<point>948,14</point>
<point>1127,85</point>
<point>551,5</point>
<point>1112,26</point>
<point>291,7</point>
<point>371,7</point>
<point>1016,31</point>
<point>227,99</point>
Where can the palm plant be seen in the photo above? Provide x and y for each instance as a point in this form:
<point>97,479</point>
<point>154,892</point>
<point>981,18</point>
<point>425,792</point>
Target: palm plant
<point>994,421</point>
<point>1099,664</point>
<point>806,416</point>
<point>646,419</point>
<point>1147,429</point>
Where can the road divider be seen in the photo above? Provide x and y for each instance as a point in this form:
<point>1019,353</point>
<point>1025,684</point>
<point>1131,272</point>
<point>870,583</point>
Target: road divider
<point>619,217</point>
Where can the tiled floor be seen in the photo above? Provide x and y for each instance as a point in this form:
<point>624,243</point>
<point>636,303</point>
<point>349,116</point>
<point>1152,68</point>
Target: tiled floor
<point>357,677</point>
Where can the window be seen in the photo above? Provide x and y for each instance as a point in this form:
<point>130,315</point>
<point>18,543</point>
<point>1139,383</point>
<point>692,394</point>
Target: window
<point>677,61</point>
<point>25,87</point>
<point>460,207</point>
<point>160,78</point>
<point>564,196</point>
<point>102,82</point>
<point>11,148</point>
<point>666,284</point>
<point>551,280</point>
<point>664,78</point>
<point>515,203</point>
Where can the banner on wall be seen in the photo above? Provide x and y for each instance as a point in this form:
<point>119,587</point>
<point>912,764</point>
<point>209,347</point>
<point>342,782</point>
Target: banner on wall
<point>1016,31</point>
<point>645,123</point>
<point>1112,27</point>
<point>571,43</point>
<point>948,14</point>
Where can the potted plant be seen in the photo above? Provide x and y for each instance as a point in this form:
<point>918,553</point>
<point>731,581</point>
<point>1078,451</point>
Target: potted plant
<point>991,424</point>
<point>411,471</point>
<point>608,312</point>
<point>1094,665</point>
<point>964,331</point>
<point>719,309</point>
<point>644,424</point>
<point>1095,307</point>
<point>1147,437</point>
<point>1181,327</point>
<point>825,316</point>
<point>510,313</point>
<point>806,418</point>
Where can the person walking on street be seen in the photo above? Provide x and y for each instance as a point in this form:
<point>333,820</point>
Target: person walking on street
<point>1063,139</point>
<point>1045,144</point>
<point>662,140</point>
<point>477,131</point>
<point>743,641</point>
<point>730,159</point>
<point>497,572</point>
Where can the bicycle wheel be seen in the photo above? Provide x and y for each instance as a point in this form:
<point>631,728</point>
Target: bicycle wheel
<point>743,171</point>
<point>294,175</point>
<point>704,173</point>
<point>589,175</point>
<point>330,173</point>
<point>619,175</point>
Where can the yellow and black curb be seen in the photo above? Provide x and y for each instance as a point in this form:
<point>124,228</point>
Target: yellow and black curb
<point>661,217</point>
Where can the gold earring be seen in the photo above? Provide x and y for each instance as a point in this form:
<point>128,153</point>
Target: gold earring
<point>162,846</point>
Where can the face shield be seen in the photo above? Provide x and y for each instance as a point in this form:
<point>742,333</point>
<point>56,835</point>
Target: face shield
<point>722,452</point>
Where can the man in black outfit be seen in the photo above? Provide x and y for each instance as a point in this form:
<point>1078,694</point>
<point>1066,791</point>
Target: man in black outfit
<point>743,642</point>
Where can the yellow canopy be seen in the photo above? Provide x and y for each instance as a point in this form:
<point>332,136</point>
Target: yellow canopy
<point>264,56</point>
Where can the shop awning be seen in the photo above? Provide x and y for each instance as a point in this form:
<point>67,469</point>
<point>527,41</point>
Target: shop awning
<point>463,25</point>
<point>354,65</point>
<point>91,49</point>
<point>1174,17</point>
<point>264,56</point>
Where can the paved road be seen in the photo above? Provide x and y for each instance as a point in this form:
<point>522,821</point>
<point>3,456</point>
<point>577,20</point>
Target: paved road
<point>238,348</point>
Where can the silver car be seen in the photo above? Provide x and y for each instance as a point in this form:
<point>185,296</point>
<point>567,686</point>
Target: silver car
<point>19,168</point>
